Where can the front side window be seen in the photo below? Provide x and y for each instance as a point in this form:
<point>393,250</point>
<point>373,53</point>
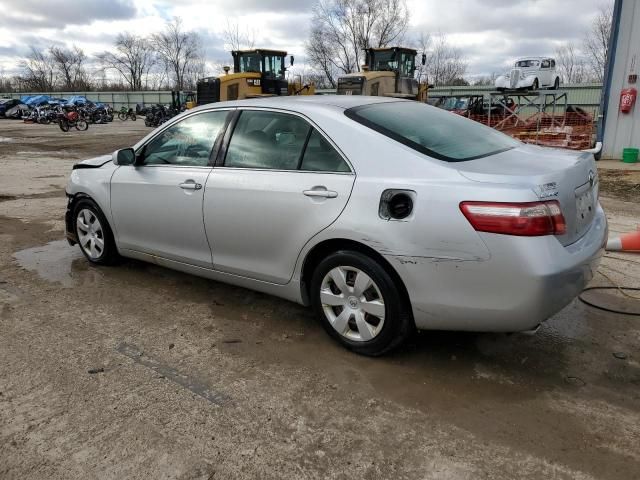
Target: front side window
<point>408,65</point>
<point>545,64</point>
<point>274,65</point>
<point>188,142</point>
<point>432,131</point>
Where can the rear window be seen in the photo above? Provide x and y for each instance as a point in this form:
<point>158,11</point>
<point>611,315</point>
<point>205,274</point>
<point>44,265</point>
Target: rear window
<point>432,131</point>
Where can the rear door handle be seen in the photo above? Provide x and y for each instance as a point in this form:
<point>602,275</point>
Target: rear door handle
<point>321,193</point>
<point>190,185</point>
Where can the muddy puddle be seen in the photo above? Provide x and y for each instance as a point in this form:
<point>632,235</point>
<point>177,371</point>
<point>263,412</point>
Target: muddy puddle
<point>58,262</point>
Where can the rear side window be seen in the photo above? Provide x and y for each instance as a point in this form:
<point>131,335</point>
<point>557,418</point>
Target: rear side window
<point>270,140</point>
<point>279,141</point>
<point>432,131</point>
<point>320,156</point>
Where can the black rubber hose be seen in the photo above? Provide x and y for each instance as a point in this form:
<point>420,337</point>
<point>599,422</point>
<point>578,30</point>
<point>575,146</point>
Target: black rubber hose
<point>600,307</point>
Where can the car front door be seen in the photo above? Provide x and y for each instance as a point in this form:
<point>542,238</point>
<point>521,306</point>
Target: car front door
<point>545,73</point>
<point>281,182</point>
<point>157,204</point>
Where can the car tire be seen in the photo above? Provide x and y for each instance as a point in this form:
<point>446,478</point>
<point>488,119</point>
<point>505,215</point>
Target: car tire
<point>94,234</point>
<point>556,84</point>
<point>535,85</point>
<point>345,314</point>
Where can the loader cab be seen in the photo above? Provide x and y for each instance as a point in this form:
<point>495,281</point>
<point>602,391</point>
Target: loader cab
<point>388,72</point>
<point>401,61</point>
<point>256,73</point>
<point>270,64</point>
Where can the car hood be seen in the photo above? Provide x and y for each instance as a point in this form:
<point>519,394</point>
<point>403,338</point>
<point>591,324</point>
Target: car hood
<point>96,162</point>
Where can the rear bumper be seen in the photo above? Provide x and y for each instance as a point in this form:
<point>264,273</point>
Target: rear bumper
<point>526,281</point>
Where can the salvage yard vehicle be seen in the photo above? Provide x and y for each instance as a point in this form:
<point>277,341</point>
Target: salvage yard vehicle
<point>382,214</point>
<point>530,73</point>
<point>6,104</point>
<point>256,73</point>
<point>388,72</point>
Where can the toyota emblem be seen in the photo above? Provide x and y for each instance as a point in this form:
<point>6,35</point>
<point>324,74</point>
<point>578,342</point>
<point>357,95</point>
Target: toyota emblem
<point>592,178</point>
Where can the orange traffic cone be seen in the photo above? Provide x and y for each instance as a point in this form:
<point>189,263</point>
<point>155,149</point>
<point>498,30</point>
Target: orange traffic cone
<point>628,242</point>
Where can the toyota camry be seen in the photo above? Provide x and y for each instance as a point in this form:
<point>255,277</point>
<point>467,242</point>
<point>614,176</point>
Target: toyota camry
<point>383,215</point>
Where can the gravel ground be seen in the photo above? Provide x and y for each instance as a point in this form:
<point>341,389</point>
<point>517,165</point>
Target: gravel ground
<point>137,371</point>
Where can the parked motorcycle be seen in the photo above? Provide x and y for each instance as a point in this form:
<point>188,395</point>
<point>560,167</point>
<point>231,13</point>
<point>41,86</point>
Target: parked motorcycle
<point>72,118</point>
<point>125,114</point>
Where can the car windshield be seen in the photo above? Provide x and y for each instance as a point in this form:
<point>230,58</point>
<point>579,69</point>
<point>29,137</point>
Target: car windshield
<point>432,131</point>
<point>527,63</point>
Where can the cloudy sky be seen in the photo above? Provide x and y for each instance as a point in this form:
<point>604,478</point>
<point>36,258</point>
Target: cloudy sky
<point>491,33</point>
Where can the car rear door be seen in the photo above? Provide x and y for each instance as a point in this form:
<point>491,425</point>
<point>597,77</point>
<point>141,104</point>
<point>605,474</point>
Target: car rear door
<point>280,182</point>
<point>157,204</point>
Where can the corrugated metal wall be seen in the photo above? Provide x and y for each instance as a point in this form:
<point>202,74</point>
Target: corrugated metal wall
<point>115,99</point>
<point>586,96</point>
<point>623,130</point>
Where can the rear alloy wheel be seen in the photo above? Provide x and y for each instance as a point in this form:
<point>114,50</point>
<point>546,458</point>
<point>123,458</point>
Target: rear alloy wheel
<point>93,233</point>
<point>359,303</point>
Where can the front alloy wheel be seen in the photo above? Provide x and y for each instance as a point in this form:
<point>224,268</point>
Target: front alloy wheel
<point>94,234</point>
<point>90,234</point>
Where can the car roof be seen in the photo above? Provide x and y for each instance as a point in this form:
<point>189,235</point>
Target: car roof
<point>303,103</point>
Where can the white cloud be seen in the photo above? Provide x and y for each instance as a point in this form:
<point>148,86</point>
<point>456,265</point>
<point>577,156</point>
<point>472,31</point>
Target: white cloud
<point>489,32</point>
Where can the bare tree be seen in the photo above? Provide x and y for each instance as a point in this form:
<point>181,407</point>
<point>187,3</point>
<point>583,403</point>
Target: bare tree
<point>177,50</point>
<point>422,45</point>
<point>236,39</point>
<point>342,29</point>
<point>6,84</point>
<point>132,59</point>
<point>69,64</point>
<point>445,63</point>
<point>486,80</point>
<point>37,71</point>
<point>571,64</point>
<point>596,41</point>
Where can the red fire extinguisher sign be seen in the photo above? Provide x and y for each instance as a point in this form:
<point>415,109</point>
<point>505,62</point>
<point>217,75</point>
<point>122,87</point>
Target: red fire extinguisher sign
<point>627,99</point>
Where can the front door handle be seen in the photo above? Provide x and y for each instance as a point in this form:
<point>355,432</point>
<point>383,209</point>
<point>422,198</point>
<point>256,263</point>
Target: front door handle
<point>321,193</point>
<point>190,185</point>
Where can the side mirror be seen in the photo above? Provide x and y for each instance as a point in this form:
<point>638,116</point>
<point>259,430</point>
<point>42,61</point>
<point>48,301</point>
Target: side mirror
<point>123,157</point>
<point>424,59</point>
<point>291,60</point>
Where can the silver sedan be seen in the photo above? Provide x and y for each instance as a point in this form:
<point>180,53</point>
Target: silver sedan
<point>384,215</point>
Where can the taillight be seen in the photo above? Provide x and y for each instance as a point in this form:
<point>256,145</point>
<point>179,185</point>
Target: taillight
<point>530,219</point>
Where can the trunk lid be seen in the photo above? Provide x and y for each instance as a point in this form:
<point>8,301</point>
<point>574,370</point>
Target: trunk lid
<point>567,176</point>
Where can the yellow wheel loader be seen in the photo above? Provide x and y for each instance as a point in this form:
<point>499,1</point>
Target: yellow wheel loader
<point>256,73</point>
<point>388,72</point>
